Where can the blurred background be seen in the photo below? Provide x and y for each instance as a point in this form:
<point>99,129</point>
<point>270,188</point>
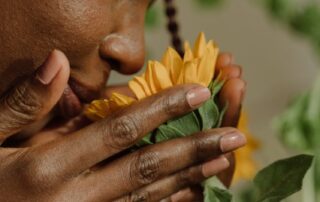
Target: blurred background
<point>276,42</point>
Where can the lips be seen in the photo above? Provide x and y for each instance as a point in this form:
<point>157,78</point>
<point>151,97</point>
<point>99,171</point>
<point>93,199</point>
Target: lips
<point>69,104</point>
<point>74,97</point>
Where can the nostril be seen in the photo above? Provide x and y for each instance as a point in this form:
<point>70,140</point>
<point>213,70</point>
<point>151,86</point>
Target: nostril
<point>114,64</point>
<point>123,54</point>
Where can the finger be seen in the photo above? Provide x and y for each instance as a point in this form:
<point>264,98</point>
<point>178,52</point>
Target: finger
<point>224,59</point>
<point>168,186</point>
<point>191,194</point>
<point>120,131</point>
<point>149,164</point>
<point>48,135</point>
<point>232,93</point>
<point>227,175</point>
<point>33,98</point>
<point>231,72</point>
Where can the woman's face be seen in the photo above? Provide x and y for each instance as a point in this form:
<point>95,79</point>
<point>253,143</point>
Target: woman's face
<point>96,36</point>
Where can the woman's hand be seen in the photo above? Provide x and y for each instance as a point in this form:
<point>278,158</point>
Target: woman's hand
<point>60,170</point>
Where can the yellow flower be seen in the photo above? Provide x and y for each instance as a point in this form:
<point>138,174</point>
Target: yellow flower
<point>246,166</point>
<point>100,109</point>
<point>197,66</point>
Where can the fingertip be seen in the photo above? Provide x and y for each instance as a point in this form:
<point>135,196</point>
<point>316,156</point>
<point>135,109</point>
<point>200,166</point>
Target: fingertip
<point>215,166</point>
<point>60,57</point>
<point>232,93</point>
<point>224,59</point>
<point>62,60</point>
<point>197,96</point>
<point>231,72</point>
<point>55,64</point>
<point>233,90</point>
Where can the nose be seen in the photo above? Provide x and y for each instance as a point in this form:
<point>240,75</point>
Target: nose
<point>125,52</point>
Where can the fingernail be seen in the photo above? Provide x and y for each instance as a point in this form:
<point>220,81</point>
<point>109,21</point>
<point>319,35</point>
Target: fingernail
<point>197,96</point>
<point>215,166</point>
<point>46,73</point>
<point>232,141</point>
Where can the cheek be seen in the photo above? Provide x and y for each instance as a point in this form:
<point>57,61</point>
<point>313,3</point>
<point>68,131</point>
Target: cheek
<point>74,26</point>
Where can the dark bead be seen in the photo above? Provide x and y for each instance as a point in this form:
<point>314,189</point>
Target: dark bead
<point>170,11</point>
<point>173,26</point>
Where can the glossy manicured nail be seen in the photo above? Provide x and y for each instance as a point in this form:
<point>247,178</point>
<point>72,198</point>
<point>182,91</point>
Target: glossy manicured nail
<point>232,141</point>
<point>46,73</point>
<point>215,166</point>
<point>197,96</point>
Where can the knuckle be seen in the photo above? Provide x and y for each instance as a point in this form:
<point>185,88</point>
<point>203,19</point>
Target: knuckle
<point>183,179</point>
<point>24,103</point>
<point>124,132</point>
<point>200,146</point>
<point>145,168</point>
<point>35,173</point>
<point>141,196</point>
<point>206,144</point>
<point>170,105</point>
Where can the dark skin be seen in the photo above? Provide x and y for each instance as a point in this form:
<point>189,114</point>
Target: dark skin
<point>59,163</point>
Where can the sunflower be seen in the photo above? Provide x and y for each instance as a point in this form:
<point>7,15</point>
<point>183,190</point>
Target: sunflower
<point>197,66</point>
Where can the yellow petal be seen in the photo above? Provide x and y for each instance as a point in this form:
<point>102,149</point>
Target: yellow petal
<point>188,55</point>
<point>161,76</point>
<point>98,110</point>
<point>181,77</point>
<point>173,62</point>
<point>246,166</point>
<point>149,76</point>
<point>200,46</point>
<point>206,67</point>
<point>139,87</point>
<point>186,46</point>
<point>121,100</point>
<point>190,72</point>
<point>213,46</point>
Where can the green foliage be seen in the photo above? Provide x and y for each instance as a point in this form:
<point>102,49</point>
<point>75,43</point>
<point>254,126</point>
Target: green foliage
<point>280,9</point>
<point>214,191</point>
<point>152,17</point>
<point>272,184</point>
<point>281,179</point>
<point>299,126</point>
<point>303,20</point>
<point>277,181</point>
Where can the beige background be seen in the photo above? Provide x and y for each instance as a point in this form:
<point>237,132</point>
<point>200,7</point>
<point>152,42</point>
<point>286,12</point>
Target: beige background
<point>277,63</point>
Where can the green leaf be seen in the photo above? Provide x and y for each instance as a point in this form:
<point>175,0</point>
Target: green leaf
<point>152,17</point>
<point>166,132</point>
<point>221,116</point>
<point>214,191</point>
<point>146,140</point>
<point>282,178</point>
<point>216,88</point>
<point>187,124</point>
<point>209,114</point>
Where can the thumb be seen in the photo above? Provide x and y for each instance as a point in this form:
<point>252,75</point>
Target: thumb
<point>34,97</point>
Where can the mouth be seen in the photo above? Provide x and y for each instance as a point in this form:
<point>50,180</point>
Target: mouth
<point>74,97</point>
